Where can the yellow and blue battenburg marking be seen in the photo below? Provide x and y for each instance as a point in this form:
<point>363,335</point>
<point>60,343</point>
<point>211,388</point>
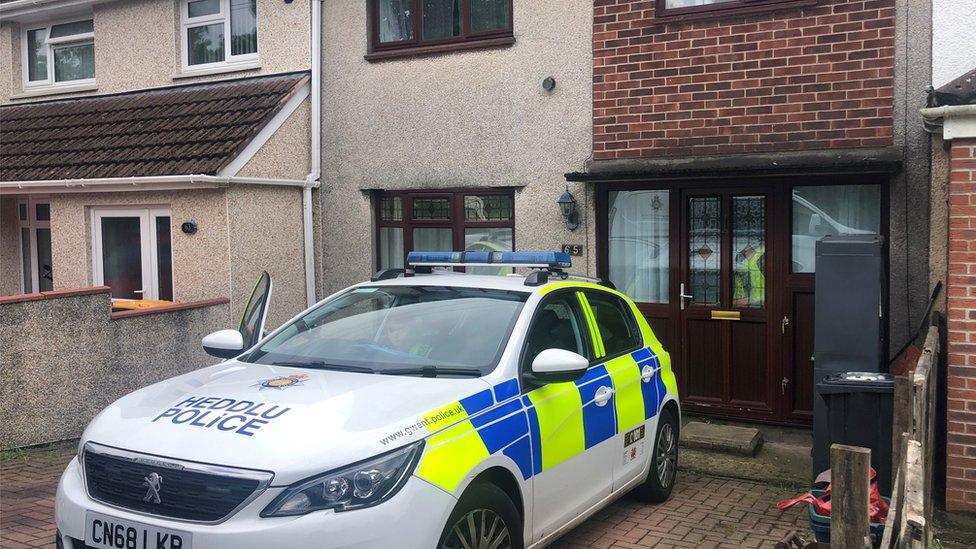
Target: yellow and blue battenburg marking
<point>542,428</point>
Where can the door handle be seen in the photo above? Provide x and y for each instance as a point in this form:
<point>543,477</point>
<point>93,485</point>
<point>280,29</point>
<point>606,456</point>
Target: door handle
<point>603,395</point>
<point>785,322</point>
<point>647,373</point>
<point>683,296</point>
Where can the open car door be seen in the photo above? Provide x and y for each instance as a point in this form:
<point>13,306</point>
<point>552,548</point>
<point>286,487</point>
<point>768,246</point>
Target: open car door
<point>256,311</point>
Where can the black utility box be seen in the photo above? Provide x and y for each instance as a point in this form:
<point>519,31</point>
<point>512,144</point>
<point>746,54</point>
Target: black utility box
<point>857,411</point>
<point>849,299</point>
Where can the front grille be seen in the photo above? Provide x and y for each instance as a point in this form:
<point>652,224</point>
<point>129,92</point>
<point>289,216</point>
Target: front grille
<point>185,494</point>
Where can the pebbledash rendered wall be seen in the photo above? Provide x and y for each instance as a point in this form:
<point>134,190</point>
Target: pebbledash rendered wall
<point>477,118</point>
<point>64,356</point>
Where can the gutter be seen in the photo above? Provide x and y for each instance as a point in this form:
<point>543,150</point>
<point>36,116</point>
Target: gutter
<point>313,179</point>
<point>152,182</point>
<point>952,121</point>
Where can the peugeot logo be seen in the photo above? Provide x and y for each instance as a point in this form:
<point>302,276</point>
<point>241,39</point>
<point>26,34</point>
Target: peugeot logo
<point>153,482</point>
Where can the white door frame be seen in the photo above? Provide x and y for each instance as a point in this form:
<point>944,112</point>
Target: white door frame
<point>31,224</point>
<point>147,234</point>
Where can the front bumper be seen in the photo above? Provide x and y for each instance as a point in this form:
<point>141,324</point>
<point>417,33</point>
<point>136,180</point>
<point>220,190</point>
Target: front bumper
<point>414,517</point>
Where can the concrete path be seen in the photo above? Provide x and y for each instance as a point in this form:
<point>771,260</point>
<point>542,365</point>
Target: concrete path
<point>705,511</point>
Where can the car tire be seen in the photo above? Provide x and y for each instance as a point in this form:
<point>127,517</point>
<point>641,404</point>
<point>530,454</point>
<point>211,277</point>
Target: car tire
<point>484,511</point>
<point>664,461</point>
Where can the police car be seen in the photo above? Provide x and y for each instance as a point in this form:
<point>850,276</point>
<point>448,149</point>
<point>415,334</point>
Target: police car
<point>426,408</point>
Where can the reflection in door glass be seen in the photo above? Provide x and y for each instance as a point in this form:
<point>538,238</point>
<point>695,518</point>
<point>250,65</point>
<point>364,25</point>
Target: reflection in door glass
<point>705,249</point>
<point>831,210</point>
<point>748,251</point>
<point>122,256</point>
<point>638,244</point>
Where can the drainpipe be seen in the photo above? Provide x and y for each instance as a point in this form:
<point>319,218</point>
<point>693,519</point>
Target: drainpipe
<point>312,180</point>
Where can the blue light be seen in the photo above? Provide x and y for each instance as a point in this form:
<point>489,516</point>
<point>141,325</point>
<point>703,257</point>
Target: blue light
<point>536,259</point>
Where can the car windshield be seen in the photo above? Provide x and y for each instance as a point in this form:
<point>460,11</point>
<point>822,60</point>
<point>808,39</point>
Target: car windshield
<point>400,329</point>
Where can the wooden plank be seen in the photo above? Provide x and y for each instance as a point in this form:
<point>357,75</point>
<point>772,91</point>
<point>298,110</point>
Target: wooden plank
<point>850,476</point>
<point>902,412</point>
<point>916,535</point>
<point>895,522</point>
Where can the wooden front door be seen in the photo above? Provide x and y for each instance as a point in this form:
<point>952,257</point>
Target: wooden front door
<point>727,281</point>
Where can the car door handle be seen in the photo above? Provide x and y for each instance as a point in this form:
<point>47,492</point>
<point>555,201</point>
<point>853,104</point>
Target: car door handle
<point>647,373</point>
<point>603,395</point>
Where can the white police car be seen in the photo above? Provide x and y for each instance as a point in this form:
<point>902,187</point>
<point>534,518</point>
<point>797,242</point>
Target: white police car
<point>441,409</point>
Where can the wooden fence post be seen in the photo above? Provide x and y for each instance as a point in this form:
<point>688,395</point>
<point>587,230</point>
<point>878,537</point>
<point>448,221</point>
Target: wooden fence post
<point>850,479</point>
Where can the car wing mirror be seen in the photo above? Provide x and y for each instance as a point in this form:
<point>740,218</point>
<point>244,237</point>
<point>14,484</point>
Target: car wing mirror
<point>224,344</point>
<point>557,366</point>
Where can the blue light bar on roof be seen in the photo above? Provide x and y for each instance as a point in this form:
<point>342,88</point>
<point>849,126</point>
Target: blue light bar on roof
<point>553,260</point>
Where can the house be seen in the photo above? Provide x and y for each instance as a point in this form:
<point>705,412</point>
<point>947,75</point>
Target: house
<point>729,136</point>
<point>159,147</point>
<point>449,126</point>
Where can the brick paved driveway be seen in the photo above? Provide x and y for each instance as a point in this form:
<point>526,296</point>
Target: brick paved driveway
<point>705,511</point>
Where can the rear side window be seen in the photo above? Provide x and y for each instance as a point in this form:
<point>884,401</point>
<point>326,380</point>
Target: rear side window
<point>616,322</point>
<point>557,325</point>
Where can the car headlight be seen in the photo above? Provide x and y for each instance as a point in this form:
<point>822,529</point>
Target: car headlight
<point>360,485</point>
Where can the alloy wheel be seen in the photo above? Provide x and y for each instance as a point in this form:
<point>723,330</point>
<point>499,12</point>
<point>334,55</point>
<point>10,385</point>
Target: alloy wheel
<point>667,455</point>
<point>479,529</point>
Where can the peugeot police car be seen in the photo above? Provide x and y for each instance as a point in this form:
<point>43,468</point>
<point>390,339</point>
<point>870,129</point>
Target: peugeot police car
<point>427,408</point>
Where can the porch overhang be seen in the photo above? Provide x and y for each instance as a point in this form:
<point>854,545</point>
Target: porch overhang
<point>174,137</point>
<point>886,160</point>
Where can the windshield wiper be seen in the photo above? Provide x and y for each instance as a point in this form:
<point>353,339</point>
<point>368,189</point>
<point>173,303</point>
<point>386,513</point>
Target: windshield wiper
<point>433,371</point>
<point>321,365</point>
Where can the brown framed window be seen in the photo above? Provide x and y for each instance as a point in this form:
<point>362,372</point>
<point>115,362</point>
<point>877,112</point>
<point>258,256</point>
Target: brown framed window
<point>681,9</point>
<point>409,27</point>
<point>482,219</point>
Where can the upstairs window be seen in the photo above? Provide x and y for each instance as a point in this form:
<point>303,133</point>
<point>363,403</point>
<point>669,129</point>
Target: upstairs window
<point>420,26</point>
<point>219,33</point>
<point>678,8</point>
<point>60,53</point>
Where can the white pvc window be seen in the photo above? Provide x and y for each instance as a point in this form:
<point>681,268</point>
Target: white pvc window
<point>218,33</point>
<point>61,53</point>
<point>35,246</point>
<point>132,252</point>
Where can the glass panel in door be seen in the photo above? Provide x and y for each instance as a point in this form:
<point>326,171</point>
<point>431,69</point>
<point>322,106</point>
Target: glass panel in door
<point>164,258</point>
<point>748,251</point>
<point>45,278</point>
<point>122,256</point>
<point>705,250</point>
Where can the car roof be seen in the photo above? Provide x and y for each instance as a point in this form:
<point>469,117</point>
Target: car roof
<point>513,282</point>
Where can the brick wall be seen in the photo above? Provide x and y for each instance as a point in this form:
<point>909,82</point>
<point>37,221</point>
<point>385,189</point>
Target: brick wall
<point>800,78</point>
<point>961,436</point>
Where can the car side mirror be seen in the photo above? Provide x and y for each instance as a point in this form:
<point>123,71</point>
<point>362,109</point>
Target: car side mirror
<point>224,343</point>
<point>557,366</point>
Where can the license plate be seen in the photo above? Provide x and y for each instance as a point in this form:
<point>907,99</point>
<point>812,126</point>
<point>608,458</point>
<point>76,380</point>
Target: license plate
<point>107,532</point>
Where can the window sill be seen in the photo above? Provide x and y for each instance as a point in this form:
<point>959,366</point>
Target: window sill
<point>416,51</point>
<point>732,12</point>
<point>237,67</point>
<point>55,90</point>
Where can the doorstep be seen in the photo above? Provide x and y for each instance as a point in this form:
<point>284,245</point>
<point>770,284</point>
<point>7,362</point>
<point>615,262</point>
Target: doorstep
<point>775,455</point>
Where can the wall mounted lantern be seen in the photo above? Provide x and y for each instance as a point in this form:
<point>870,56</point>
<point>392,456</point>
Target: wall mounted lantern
<point>567,206</point>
